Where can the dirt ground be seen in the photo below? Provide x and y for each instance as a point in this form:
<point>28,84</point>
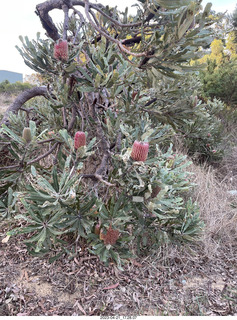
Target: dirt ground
<point>169,282</point>
<point>174,281</point>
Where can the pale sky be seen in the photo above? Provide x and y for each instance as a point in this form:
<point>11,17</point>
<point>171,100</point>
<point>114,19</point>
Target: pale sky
<point>17,17</point>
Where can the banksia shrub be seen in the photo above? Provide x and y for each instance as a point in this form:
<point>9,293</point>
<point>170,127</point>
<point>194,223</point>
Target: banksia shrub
<point>61,50</point>
<point>79,139</point>
<point>26,134</point>
<point>140,151</point>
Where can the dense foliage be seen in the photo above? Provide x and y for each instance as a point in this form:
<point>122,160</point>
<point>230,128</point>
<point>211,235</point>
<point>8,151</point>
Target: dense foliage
<point>118,79</point>
<point>219,77</point>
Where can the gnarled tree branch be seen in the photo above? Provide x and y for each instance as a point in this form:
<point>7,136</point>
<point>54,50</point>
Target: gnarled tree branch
<point>22,98</point>
<point>42,10</point>
<point>120,46</point>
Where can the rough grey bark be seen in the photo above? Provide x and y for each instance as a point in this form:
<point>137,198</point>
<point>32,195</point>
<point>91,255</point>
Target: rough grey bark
<point>42,10</point>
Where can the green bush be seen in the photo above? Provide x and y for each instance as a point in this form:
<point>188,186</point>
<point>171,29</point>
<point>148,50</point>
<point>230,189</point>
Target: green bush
<point>56,202</point>
<point>17,87</point>
<point>97,193</point>
<point>220,81</point>
<point>203,136</point>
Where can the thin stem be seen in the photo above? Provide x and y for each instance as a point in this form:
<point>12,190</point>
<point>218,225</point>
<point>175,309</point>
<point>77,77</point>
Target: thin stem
<point>9,167</point>
<point>64,118</point>
<point>66,19</point>
<point>120,45</point>
<point>122,25</point>
<point>34,160</point>
<point>45,154</point>
<point>73,119</point>
<point>80,25</point>
<point>98,177</point>
<point>45,141</point>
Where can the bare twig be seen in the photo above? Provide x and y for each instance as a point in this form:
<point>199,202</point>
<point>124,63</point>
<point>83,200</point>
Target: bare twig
<point>80,25</point>
<point>14,166</point>
<point>64,117</point>
<point>42,10</point>
<point>73,119</point>
<point>98,177</point>
<point>32,161</point>
<point>120,45</point>
<point>66,19</point>
<point>46,141</point>
<point>122,25</point>
<point>45,154</point>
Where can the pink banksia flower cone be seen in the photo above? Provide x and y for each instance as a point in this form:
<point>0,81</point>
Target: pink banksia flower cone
<point>61,50</point>
<point>79,139</point>
<point>140,151</point>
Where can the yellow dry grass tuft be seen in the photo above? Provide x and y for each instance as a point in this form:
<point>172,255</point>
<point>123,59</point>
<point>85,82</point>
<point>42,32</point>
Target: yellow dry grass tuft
<point>5,101</point>
<point>218,208</point>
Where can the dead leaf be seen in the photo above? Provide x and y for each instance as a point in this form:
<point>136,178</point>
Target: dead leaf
<point>76,261</point>
<point>22,275</point>
<point>137,264</point>
<point>113,286</point>
<point>41,304</point>
<point>88,298</point>
<point>5,240</point>
<point>136,298</point>
<point>118,306</point>
<point>26,275</point>
<point>79,307</point>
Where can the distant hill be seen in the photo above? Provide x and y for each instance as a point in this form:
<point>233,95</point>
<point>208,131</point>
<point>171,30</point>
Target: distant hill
<point>12,77</point>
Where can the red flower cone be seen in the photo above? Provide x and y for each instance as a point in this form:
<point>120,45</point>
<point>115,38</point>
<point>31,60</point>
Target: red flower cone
<point>140,151</point>
<point>79,139</point>
<point>61,50</point>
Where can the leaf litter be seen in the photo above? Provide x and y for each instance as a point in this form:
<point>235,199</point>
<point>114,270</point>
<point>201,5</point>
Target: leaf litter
<point>169,282</point>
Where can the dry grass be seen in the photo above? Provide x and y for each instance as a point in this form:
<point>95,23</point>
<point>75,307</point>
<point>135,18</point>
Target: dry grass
<point>228,170</point>
<point>218,208</point>
<point>5,101</point>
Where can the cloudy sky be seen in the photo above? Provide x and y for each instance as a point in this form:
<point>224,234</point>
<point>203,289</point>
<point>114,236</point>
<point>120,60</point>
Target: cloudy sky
<point>17,17</point>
